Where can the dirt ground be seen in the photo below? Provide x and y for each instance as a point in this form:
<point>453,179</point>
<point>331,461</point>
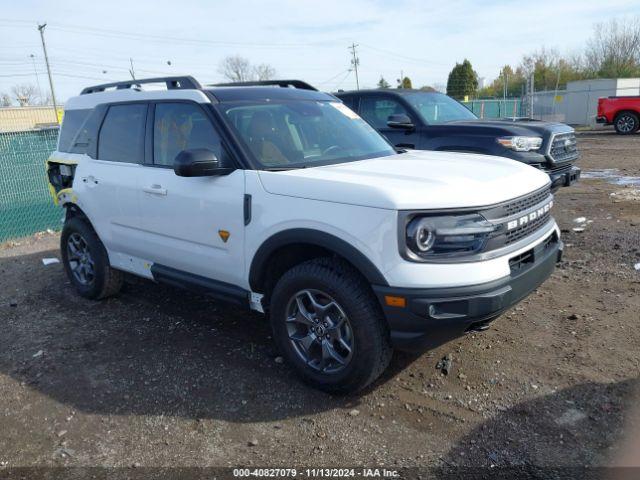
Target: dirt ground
<point>159,377</point>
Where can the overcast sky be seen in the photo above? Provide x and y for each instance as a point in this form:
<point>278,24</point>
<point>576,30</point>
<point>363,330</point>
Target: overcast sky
<point>301,39</point>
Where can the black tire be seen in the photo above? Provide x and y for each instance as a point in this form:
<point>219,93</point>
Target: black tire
<point>626,123</point>
<point>105,281</point>
<point>371,349</point>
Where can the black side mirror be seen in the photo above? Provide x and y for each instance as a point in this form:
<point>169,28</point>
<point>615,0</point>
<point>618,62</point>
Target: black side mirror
<point>199,162</point>
<point>400,120</point>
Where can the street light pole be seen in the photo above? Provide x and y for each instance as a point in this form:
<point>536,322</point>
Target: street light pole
<point>46,60</point>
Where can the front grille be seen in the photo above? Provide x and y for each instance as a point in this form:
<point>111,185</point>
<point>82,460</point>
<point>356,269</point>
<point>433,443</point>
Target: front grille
<point>527,229</point>
<point>529,257</point>
<point>522,260</point>
<point>524,203</point>
<point>563,148</point>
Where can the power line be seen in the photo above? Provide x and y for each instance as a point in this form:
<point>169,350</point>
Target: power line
<point>69,28</point>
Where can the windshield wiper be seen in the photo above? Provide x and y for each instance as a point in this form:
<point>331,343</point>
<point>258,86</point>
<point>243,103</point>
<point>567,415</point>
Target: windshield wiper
<point>282,169</point>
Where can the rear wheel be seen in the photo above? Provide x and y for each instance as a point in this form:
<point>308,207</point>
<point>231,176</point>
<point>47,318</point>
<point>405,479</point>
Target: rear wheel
<point>329,326</point>
<point>626,123</point>
<point>86,262</point>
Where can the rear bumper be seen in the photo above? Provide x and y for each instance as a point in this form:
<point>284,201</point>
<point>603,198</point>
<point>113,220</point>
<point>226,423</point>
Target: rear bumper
<point>602,120</point>
<point>432,317</point>
<point>564,178</point>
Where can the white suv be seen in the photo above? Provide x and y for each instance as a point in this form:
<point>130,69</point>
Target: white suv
<point>279,198</point>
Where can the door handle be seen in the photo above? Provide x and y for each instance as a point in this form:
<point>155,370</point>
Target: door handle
<point>155,189</point>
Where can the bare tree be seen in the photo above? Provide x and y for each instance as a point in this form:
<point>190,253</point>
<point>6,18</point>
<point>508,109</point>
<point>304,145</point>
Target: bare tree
<point>5,100</point>
<point>25,94</point>
<point>239,69</point>
<point>264,71</point>
<point>235,69</point>
<point>614,49</point>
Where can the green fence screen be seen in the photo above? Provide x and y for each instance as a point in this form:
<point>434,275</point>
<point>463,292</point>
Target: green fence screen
<point>26,206</point>
<point>510,107</point>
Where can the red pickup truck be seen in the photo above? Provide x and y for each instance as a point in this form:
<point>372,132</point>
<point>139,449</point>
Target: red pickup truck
<point>621,112</point>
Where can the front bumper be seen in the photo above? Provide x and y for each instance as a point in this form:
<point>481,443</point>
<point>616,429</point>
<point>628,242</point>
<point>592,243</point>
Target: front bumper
<point>602,120</point>
<point>432,317</point>
<point>564,178</point>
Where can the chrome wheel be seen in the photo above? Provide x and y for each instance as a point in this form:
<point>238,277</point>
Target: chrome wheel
<point>626,124</point>
<point>319,331</point>
<point>79,258</point>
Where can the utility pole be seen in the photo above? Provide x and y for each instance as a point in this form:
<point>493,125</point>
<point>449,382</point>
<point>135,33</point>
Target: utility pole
<point>355,61</point>
<point>46,60</point>
<point>131,70</point>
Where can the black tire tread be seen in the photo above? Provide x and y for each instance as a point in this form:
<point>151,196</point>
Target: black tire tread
<point>363,304</point>
<point>110,281</point>
<point>632,114</point>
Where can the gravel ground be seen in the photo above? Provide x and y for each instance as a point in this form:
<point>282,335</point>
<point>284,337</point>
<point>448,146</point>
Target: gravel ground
<point>159,377</point>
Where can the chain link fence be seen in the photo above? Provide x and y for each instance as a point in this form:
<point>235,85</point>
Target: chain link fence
<point>496,108</point>
<point>28,135</point>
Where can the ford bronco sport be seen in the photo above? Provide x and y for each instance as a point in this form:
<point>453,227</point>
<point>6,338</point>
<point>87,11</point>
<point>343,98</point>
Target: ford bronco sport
<point>280,198</point>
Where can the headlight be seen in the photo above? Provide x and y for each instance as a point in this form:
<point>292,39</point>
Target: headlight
<point>446,235</point>
<point>521,144</point>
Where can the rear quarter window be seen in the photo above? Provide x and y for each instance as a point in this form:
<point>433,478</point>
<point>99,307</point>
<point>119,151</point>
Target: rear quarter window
<point>71,123</point>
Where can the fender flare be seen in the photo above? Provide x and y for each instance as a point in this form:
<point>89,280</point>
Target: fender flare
<point>319,239</point>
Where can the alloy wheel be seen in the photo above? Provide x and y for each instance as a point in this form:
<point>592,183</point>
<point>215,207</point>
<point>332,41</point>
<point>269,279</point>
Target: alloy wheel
<point>626,123</point>
<point>319,331</point>
<point>80,260</point>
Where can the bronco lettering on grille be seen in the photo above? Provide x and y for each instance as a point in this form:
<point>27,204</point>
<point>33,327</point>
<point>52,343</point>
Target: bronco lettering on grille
<point>523,220</point>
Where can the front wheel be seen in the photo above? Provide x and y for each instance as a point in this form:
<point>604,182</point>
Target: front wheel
<point>626,123</point>
<point>329,326</point>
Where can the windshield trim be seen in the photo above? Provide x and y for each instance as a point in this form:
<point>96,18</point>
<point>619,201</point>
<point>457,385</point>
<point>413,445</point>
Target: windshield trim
<point>258,165</point>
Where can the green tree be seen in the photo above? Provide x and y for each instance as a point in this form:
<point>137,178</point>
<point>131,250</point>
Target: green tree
<point>515,81</point>
<point>462,80</point>
<point>405,83</point>
<point>382,83</point>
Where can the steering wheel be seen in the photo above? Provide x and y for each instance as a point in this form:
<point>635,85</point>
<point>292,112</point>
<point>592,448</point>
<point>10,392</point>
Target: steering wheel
<point>331,149</point>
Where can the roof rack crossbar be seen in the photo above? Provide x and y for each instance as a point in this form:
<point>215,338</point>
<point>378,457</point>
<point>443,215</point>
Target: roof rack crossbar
<point>172,83</point>
<point>280,83</point>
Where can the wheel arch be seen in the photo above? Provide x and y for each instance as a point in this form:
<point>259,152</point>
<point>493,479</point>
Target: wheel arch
<point>73,210</point>
<point>625,110</point>
<point>285,249</point>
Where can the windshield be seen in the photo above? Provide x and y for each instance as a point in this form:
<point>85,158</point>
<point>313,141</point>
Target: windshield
<point>304,133</point>
<point>436,108</point>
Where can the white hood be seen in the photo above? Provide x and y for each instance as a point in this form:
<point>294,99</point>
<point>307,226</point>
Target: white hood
<point>413,180</point>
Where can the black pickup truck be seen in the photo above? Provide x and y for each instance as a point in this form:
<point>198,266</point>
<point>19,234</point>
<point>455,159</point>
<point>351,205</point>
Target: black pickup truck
<point>433,121</point>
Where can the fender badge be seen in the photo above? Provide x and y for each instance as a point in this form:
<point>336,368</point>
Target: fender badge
<point>224,235</point>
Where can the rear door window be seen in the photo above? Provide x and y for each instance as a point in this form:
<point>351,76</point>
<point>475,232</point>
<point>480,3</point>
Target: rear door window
<point>121,137</point>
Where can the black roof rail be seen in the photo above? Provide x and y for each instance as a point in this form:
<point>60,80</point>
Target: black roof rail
<point>261,83</point>
<point>173,83</point>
